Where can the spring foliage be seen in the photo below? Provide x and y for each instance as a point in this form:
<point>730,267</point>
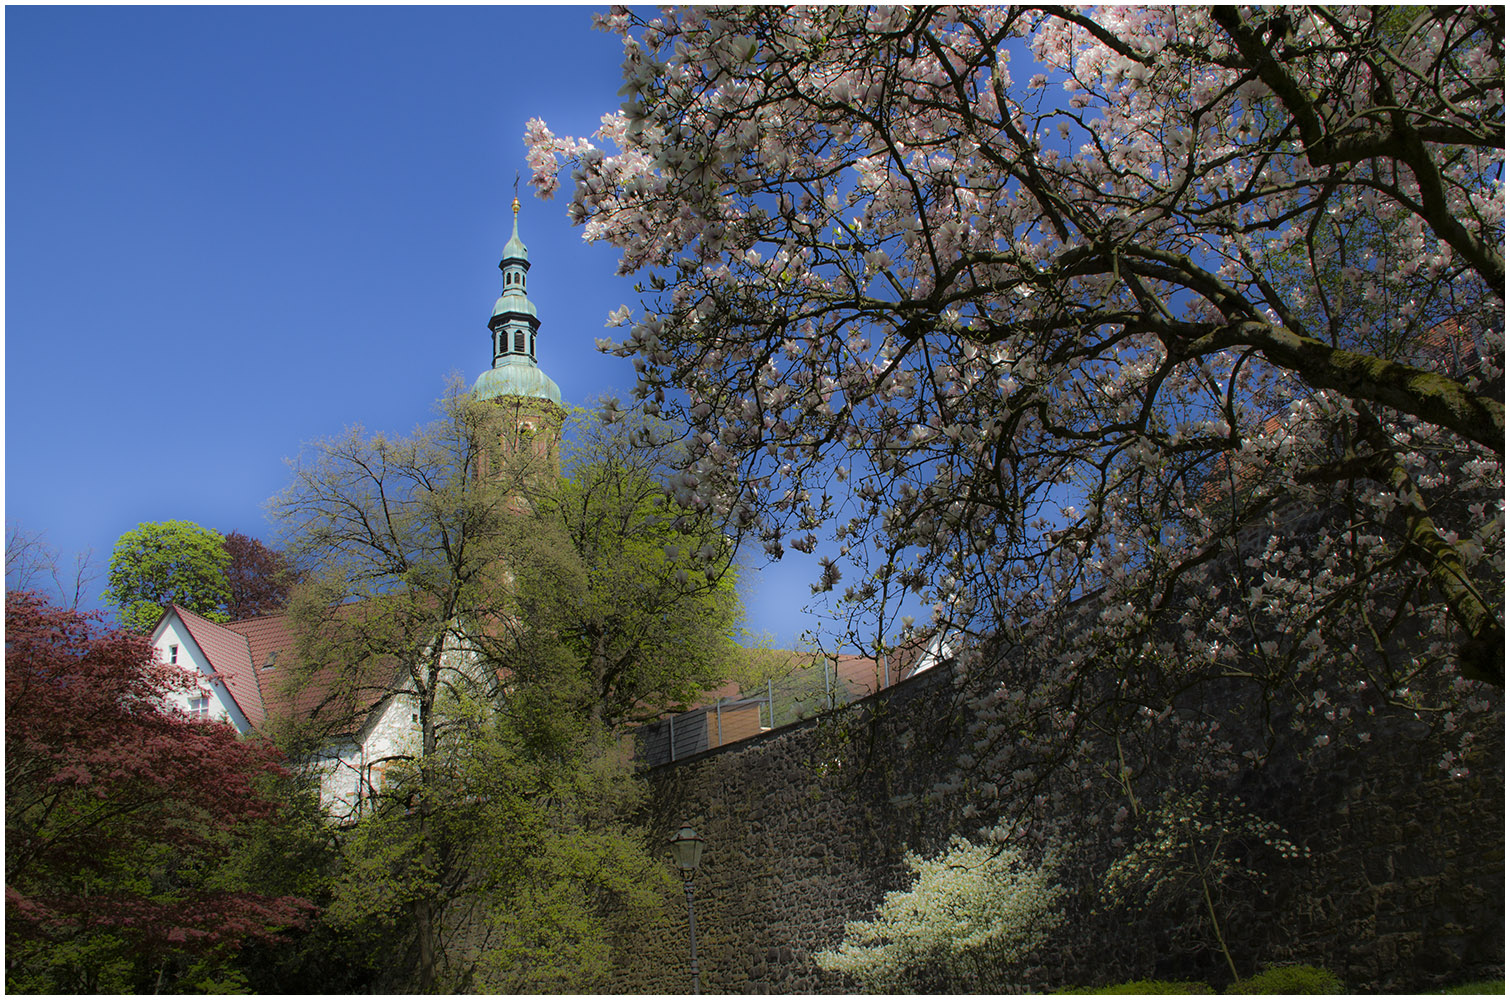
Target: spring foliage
<point>619,592</point>
<point>169,562</point>
<point>1025,304</point>
<point>522,616</point>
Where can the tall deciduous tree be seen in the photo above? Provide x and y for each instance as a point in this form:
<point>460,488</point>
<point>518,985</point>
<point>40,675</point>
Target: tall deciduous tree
<point>622,592</point>
<point>401,544</point>
<point>443,569</point>
<point>119,812</point>
<point>1031,304</point>
<point>168,562</point>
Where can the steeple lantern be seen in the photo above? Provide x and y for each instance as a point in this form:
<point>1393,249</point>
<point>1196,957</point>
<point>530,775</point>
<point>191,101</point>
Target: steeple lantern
<point>515,327</point>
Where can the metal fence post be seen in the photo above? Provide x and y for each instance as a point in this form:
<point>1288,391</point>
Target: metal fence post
<point>770,701</point>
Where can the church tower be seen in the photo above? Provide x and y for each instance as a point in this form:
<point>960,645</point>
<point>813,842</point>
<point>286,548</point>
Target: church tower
<point>528,401</point>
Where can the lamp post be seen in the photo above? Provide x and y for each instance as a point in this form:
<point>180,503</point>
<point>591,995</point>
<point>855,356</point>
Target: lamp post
<point>686,852</point>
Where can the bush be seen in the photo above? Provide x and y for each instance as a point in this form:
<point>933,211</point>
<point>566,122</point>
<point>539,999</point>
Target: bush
<point>1289,979</point>
<point>970,913</point>
<point>1165,987</point>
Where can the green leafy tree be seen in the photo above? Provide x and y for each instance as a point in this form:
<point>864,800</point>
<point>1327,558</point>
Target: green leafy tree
<point>529,858</point>
<point>621,594</point>
<point>519,618</point>
<point>168,562</point>
<point>400,541</point>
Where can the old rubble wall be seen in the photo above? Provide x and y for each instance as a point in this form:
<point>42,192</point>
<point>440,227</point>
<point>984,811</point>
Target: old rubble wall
<point>806,826</point>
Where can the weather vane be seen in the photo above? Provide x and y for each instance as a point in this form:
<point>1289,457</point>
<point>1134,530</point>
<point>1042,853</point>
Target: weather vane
<point>516,192</point>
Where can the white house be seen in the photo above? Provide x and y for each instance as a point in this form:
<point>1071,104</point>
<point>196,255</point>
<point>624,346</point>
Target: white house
<point>238,664</point>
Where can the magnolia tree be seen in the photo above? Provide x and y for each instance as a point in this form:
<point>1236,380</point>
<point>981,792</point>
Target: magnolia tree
<point>1196,847</point>
<point>1166,342</point>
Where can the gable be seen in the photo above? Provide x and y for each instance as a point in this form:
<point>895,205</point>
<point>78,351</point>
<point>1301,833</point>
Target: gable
<point>217,656</point>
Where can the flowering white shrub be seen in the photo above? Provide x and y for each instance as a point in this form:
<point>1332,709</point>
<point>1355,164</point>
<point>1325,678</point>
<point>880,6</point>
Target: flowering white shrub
<point>1196,845</point>
<point>972,909</point>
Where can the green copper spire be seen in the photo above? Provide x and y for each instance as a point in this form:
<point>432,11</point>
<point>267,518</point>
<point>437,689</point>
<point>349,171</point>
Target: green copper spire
<point>514,326</point>
<point>514,249</point>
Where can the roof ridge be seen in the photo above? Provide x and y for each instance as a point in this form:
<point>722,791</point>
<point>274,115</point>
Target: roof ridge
<point>256,618</point>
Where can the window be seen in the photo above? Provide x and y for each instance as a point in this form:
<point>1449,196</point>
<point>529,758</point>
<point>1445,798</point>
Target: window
<point>173,653</point>
<point>199,707</point>
<point>518,341</point>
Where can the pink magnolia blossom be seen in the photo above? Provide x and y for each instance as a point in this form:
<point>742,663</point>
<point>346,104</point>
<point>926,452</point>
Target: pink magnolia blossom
<point>1206,320</point>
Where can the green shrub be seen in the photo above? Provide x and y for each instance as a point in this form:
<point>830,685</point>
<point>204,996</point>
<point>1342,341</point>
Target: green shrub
<point>1154,986</point>
<point>1289,979</point>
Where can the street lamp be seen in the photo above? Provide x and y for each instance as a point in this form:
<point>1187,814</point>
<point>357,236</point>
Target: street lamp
<point>686,852</point>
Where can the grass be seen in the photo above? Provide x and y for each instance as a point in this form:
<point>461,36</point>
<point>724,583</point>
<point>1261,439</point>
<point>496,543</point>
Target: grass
<point>1493,986</point>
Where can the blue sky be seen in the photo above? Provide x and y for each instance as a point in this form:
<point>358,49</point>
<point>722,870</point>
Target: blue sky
<point>233,230</point>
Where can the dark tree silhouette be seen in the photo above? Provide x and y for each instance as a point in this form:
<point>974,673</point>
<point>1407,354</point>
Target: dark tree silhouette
<point>259,577</point>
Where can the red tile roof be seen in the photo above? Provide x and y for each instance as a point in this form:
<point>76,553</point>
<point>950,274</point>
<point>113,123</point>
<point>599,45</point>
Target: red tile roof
<point>289,692</point>
<point>256,657</point>
<point>230,661</point>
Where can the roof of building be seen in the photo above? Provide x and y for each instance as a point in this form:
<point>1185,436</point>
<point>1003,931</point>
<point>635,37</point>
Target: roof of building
<point>514,249</point>
<point>516,375</point>
<point>257,661</point>
<point>230,660</point>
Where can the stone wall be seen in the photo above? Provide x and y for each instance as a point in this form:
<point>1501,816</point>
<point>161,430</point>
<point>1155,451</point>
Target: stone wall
<point>806,827</point>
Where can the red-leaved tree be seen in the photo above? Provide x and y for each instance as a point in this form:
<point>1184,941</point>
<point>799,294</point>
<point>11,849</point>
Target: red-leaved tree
<point>119,809</point>
<point>259,577</point>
